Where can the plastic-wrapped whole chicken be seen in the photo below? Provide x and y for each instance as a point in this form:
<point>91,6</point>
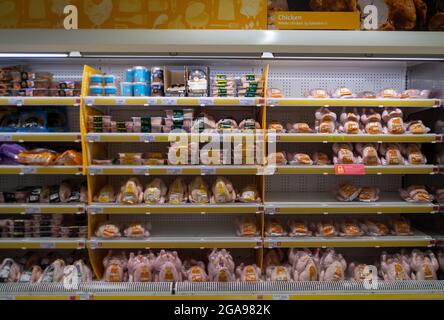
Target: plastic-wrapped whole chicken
<point>248,273</point>
<point>392,112</point>
<point>9,271</point>
<point>417,127</point>
<point>106,194</point>
<point>82,271</point>
<point>299,127</point>
<point>369,194</point>
<point>350,228</point>
<point>415,94</point>
<point>416,194</point>
<point>227,125</point>
<point>54,272</point>
<point>249,124</point>
<point>317,94</point>
<point>299,228</point>
<point>367,95</point>
<point>413,154</point>
<point>299,159</point>
<point>273,257</point>
<point>178,192</point>
<point>349,122</point>
<point>249,194</point>
<point>155,192</point>
<point>274,228</point>
<point>115,267</point>
<point>342,93</point>
<point>344,154</point>
<point>194,271</point>
<point>424,265</point>
<point>203,123</point>
<point>223,191</point>
<point>347,192</point>
<point>276,126</point>
<point>199,191</point>
<point>369,154</point>
<point>321,159</point>
<point>31,274</point>
<point>401,227</point>
<point>391,154</point>
<point>168,267</point>
<point>389,93</point>
<point>274,93</point>
<point>277,158</point>
<point>326,228</point>
<point>395,267</point>
<point>137,230</point>
<point>140,267</point>
<point>359,272</point>
<point>131,192</point>
<point>305,264</point>
<point>375,228</point>
<point>247,227</point>
<point>325,120</point>
<point>395,125</point>
<point>108,230</point>
<point>220,266</point>
<point>333,266</point>
<point>278,273</point>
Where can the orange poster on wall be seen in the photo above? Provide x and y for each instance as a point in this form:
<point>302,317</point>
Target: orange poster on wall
<point>137,14</point>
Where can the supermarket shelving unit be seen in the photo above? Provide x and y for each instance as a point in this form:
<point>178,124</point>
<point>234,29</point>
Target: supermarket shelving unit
<point>389,49</point>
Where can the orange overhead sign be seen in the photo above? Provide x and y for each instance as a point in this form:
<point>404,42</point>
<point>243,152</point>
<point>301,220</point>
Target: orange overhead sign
<point>317,20</point>
<point>137,14</point>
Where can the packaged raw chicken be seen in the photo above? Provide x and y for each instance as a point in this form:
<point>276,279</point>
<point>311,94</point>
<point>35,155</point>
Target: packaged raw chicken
<point>299,159</point>
<point>413,154</point>
<point>278,158</point>
<point>375,228</point>
<point>401,227</point>
<point>276,126</point>
<point>274,93</point>
<point>199,191</point>
<point>367,95</point>
<point>326,229</point>
<point>416,194</point>
<point>203,123</point>
<point>350,228</point>
<point>317,94</point>
<point>347,192</point>
<point>223,191</point>
<point>37,157</point>
<point>417,127</point>
<point>227,124</point>
<point>391,112</point>
<point>249,124</point>
<point>389,93</point>
<point>106,194</point>
<point>274,228</point>
<point>249,194</point>
<point>299,127</point>
<point>155,192</point>
<point>130,158</point>
<point>178,192</point>
<point>248,273</point>
<point>108,230</point>
<point>372,122</point>
<point>325,120</point>
<point>395,125</point>
<point>415,94</point>
<point>369,154</point>
<point>369,194</point>
<point>321,159</point>
<point>342,92</point>
<point>344,154</point>
<point>247,227</point>
<point>130,192</point>
<point>391,154</point>
<point>153,159</point>
<point>350,127</point>
<point>137,230</point>
<point>299,228</point>
<point>69,158</point>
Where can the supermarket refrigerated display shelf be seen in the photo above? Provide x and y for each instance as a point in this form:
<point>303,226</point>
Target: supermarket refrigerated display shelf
<point>375,138</point>
<point>173,101</point>
<point>330,169</point>
<point>264,290</point>
<point>45,208</point>
<point>418,239</point>
<point>40,136</point>
<point>40,101</point>
<point>174,170</point>
<point>42,243</point>
<point>234,208</point>
<point>351,102</point>
<point>325,203</point>
<point>25,170</point>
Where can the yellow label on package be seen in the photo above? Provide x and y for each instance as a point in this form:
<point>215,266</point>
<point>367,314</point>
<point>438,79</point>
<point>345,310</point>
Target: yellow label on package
<point>291,20</point>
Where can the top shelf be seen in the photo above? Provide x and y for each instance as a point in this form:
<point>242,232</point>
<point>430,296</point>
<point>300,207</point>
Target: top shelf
<point>40,101</point>
<point>308,102</point>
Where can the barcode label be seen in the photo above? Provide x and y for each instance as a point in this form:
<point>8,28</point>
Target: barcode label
<point>169,101</point>
<point>47,245</point>
<point>206,101</point>
<point>208,170</point>
<point>16,101</point>
<point>89,101</point>
<point>32,210</point>
<point>120,101</point>
<point>147,138</point>
<point>29,170</point>
<point>6,137</point>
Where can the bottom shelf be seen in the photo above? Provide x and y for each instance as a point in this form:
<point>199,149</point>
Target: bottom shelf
<point>345,290</point>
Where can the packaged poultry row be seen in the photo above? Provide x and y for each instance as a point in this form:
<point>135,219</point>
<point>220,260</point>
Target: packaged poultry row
<point>15,154</point>
<point>337,228</point>
<point>369,122</point>
<point>179,192</point>
<point>344,92</point>
<point>369,154</point>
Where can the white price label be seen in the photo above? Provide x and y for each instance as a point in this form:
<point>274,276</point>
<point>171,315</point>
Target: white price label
<point>93,171</point>
<point>120,101</point>
<point>146,138</point>
<point>94,210</point>
<point>16,101</point>
<point>85,297</point>
<point>246,101</point>
<point>270,210</point>
<point>208,171</point>
<point>47,245</point>
<point>140,171</point>
<point>273,244</point>
<point>169,102</point>
<point>32,209</point>
<point>280,297</point>
<point>89,101</point>
<point>151,101</point>
<point>174,171</point>
<point>6,137</point>
<point>272,102</point>
<point>206,101</point>
<point>29,170</point>
<point>92,138</point>
<point>8,297</point>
